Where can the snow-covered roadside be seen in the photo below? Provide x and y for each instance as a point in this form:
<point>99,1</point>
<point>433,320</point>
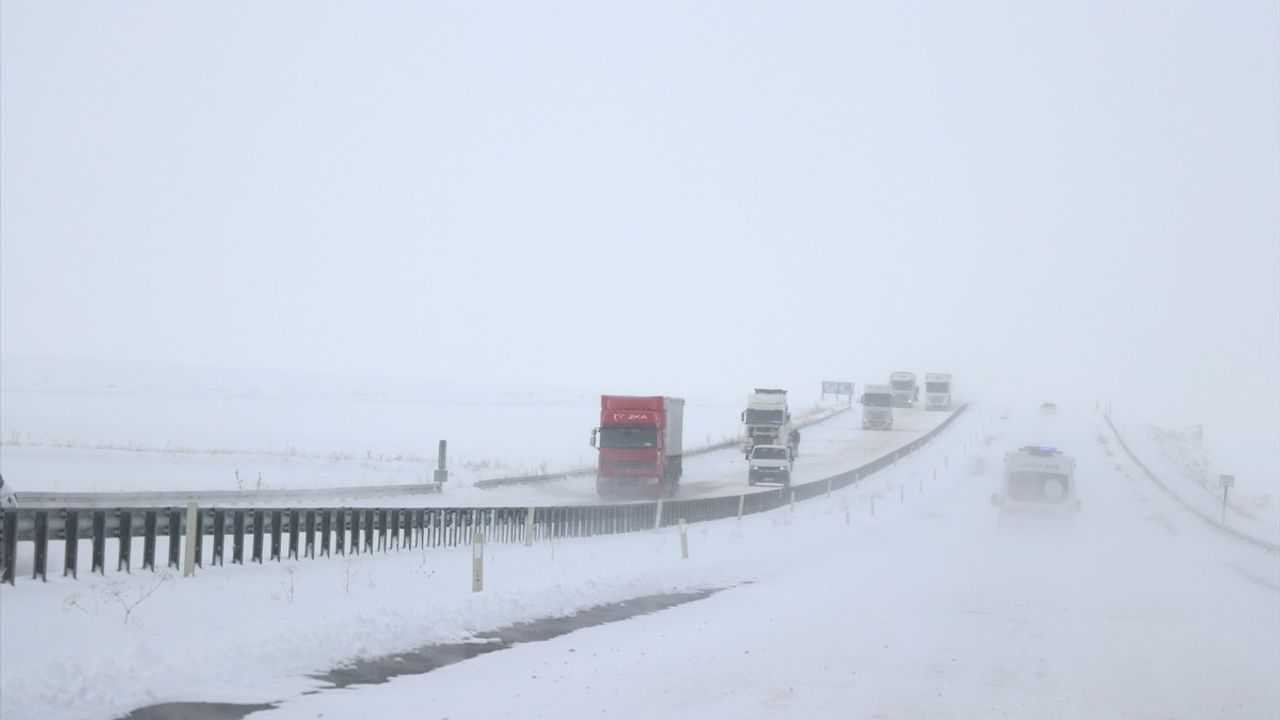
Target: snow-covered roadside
<point>252,634</point>
<point>1182,464</point>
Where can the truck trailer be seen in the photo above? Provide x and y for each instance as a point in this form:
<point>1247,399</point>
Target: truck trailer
<point>640,443</point>
<point>937,391</point>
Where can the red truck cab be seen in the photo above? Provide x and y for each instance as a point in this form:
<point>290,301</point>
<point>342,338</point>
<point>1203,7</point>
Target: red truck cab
<point>640,444</point>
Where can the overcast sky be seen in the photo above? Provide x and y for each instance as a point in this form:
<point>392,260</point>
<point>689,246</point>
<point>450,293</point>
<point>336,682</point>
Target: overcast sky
<point>1052,200</point>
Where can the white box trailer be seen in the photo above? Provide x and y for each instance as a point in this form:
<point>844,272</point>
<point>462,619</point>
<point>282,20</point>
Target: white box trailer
<point>937,391</point>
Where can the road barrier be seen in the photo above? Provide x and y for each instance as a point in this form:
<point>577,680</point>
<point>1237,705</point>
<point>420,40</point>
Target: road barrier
<point>294,533</point>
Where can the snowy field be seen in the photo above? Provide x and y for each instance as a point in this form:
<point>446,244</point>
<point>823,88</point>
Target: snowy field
<point>95,427</point>
<point>931,607</point>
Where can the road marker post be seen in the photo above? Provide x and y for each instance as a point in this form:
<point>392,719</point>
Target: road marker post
<point>684,541</point>
<point>528,526</point>
<point>742,505</point>
<point>477,562</point>
<point>657,516</point>
<point>1226,481</point>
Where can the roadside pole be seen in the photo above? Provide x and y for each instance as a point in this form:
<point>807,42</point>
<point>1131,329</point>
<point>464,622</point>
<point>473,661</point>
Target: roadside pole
<point>1226,481</point>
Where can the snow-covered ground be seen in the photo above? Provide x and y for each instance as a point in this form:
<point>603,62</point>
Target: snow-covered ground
<point>930,608</point>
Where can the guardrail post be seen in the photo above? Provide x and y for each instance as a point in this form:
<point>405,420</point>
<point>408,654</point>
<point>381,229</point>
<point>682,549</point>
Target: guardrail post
<point>326,518</point>
<point>259,523</point>
<point>793,501</point>
<point>219,537</point>
<point>40,567</point>
<point>125,535</point>
<point>237,537</point>
<point>294,521</point>
<point>528,526</point>
<point>72,549</point>
<point>99,558</point>
<point>149,540</point>
<point>175,536</point>
<point>10,551</point>
<point>277,522</point>
<point>199,537</point>
<point>193,529</point>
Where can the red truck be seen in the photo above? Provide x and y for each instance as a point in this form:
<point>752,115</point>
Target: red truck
<point>640,443</point>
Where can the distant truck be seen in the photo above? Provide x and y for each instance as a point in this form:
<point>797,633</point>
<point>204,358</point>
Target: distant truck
<point>1037,479</point>
<point>905,390</point>
<point>770,463</point>
<point>937,391</point>
<point>640,440</point>
<point>877,407</point>
<point>767,420</point>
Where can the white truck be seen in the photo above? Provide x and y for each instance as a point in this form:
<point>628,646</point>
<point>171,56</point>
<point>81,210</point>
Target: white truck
<point>767,420</point>
<point>1037,479</point>
<point>905,390</point>
<point>877,407</point>
<point>937,391</point>
<point>770,463</point>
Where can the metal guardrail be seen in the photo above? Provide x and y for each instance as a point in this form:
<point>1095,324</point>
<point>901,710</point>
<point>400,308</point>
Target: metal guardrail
<point>549,477</point>
<point>1238,534</point>
<point>309,532</point>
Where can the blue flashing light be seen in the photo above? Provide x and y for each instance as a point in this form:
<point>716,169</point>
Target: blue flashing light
<point>1042,450</point>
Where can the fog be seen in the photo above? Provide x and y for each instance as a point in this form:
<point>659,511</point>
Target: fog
<point>1076,201</point>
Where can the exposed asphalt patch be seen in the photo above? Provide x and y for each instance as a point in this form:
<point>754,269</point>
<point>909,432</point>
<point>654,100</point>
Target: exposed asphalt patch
<point>432,657</point>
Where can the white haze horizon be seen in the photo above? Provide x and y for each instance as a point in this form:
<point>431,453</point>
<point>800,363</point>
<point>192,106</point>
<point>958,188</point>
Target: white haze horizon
<point>1074,202</point>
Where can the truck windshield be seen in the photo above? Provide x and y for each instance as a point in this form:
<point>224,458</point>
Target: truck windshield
<point>903,384</point>
<point>628,436</point>
<point>877,400</point>
<point>937,387</point>
<point>769,453</point>
<point>765,417</point>
<point>1036,486</point>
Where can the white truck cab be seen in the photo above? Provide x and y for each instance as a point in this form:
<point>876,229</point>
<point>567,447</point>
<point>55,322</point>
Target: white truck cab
<point>877,407</point>
<point>770,463</point>
<point>767,420</point>
<point>937,391</point>
<point>905,390</point>
<point>1038,478</point>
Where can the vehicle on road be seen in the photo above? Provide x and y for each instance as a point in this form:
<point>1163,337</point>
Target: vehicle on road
<point>767,420</point>
<point>1037,478</point>
<point>640,439</point>
<point>770,464</point>
<point>877,407</point>
<point>937,391</point>
<point>905,390</point>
